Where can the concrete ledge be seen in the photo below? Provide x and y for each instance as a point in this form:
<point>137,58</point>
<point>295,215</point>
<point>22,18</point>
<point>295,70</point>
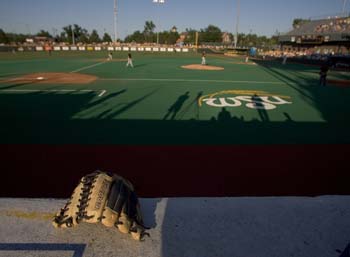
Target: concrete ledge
<point>235,227</point>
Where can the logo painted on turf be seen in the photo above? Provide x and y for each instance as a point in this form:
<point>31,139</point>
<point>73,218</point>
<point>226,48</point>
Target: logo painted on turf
<point>251,99</point>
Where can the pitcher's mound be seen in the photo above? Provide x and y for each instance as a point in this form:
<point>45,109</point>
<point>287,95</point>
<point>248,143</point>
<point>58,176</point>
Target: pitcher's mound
<point>201,67</point>
<point>54,78</point>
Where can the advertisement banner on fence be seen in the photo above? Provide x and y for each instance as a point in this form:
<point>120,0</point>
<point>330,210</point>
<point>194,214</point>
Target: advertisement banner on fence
<point>39,48</point>
<point>98,48</point>
<point>65,48</point>
<point>73,48</point>
<point>110,48</point>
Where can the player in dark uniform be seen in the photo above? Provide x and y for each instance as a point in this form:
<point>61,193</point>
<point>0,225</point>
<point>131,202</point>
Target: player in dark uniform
<point>323,74</point>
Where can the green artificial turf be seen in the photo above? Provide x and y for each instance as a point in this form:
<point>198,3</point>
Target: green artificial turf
<point>158,102</point>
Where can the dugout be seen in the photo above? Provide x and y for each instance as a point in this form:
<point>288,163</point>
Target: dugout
<point>237,51</point>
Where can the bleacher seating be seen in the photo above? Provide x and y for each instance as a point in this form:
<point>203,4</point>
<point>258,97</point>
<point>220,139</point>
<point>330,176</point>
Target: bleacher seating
<point>325,26</point>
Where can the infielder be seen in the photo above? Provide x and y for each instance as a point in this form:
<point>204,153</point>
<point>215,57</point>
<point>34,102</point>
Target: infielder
<point>110,56</point>
<point>129,61</point>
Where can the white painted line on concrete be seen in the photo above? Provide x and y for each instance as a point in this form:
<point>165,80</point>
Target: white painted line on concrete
<point>88,67</point>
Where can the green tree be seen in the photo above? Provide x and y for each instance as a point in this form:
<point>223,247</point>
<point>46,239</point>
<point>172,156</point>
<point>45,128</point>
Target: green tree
<point>3,37</point>
<point>68,36</point>
<point>172,38</point>
<point>149,27</point>
<point>149,31</point>
<point>211,34</point>
<point>18,38</point>
<point>190,36</point>
<point>84,38</point>
<point>106,38</point>
<point>80,34</point>
<point>94,37</point>
<point>137,37</point>
<point>298,22</point>
<point>43,33</point>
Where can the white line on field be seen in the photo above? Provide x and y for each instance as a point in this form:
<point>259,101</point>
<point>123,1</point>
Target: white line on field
<point>102,92</point>
<point>195,80</point>
<point>88,67</point>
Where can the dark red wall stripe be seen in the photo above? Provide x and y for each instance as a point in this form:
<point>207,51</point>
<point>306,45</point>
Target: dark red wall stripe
<point>179,171</point>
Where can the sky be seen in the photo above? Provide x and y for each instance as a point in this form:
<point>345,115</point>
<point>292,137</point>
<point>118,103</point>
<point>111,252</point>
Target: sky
<point>262,17</point>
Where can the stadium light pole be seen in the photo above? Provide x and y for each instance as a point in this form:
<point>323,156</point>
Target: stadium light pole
<point>158,2</point>
<point>73,38</point>
<point>344,5</point>
<point>115,22</point>
<point>237,23</point>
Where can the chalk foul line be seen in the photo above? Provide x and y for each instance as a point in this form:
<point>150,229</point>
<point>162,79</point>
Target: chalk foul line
<point>88,67</point>
<point>100,92</point>
<point>193,80</point>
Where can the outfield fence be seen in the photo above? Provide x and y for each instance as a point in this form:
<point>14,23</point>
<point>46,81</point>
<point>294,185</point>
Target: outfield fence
<point>97,48</point>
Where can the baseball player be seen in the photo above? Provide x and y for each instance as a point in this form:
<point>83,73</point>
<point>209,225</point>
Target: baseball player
<point>323,75</point>
<point>203,58</point>
<point>246,58</point>
<point>110,56</point>
<point>129,61</point>
<point>284,61</point>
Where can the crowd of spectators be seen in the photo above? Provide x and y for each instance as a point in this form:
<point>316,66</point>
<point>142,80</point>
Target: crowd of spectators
<point>338,25</point>
<point>312,53</point>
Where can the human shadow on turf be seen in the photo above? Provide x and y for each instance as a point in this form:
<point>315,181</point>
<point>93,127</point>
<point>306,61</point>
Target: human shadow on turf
<point>191,108</point>
<point>226,119</point>
<point>113,113</point>
<point>106,98</point>
<point>331,102</point>
<point>14,83</point>
<point>259,106</point>
<point>176,107</point>
<point>139,65</point>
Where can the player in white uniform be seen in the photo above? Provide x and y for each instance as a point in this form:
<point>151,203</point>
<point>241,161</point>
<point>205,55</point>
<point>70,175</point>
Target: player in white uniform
<point>203,59</point>
<point>110,56</point>
<point>129,61</point>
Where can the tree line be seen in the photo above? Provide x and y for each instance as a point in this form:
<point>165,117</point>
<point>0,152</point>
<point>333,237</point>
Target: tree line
<point>209,35</point>
<point>80,35</point>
